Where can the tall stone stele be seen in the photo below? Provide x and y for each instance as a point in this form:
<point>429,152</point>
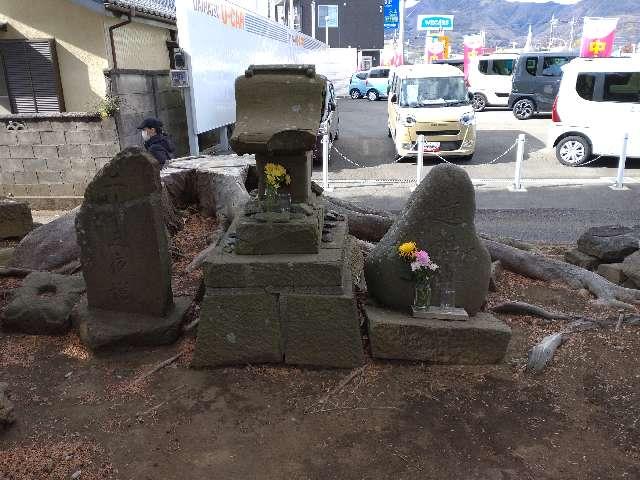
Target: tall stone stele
<point>124,255</point>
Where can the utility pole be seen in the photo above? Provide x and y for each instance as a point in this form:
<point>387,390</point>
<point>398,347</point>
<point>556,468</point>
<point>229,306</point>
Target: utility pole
<point>572,34</point>
<point>401,29</point>
<point>291,15</point>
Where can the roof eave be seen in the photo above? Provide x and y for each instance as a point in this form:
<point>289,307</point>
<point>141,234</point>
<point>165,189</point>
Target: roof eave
<point>116,6</point>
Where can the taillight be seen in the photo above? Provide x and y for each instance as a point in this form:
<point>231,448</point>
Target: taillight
<point>554,112</point>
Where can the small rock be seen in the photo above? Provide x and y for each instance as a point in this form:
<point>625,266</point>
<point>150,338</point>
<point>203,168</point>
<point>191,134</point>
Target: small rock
<point>631,267</point>
<point>584,293</point>
<point>581,259</point>
<point>609,243</point>
<point>612,272</point>
<point>7,415</point>
<point>68,375</point>
<point>76,475</point>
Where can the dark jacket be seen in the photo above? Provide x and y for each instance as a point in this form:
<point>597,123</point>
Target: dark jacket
<point>161,147</point>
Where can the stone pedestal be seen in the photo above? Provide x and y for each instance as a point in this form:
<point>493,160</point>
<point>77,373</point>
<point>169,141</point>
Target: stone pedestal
<point>483,339</point>
<point>292,308</point>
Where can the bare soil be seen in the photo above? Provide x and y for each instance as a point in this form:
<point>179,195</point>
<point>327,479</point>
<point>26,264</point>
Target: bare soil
<point>87,413</point>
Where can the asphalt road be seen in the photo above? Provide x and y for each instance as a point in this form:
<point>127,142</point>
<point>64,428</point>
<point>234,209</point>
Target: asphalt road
<point>562,204</point>
<point>364,141</point>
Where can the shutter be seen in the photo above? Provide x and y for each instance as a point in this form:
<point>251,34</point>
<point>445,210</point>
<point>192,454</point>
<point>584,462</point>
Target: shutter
<point>32,76</point>
<point>18,77</point>
<point>44,76</point>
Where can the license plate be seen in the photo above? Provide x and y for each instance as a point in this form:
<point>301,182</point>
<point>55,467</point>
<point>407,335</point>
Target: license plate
<point>431,147</point>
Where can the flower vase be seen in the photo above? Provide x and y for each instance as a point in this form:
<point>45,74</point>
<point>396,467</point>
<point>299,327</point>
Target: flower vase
<point>271,201</point>
<point>422,300</point>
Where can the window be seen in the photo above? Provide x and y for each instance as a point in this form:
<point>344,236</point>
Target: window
<point>585,85</point>
<point>622,87</point>
<point>32,76</point>
<point>362,75</point>
<point>532,65</point>
<point>5,103</point>
<point>379,73</point>
<point>502,67</point>
<point>328,16</point>
<point>483,66</point>
<point>552,66</point>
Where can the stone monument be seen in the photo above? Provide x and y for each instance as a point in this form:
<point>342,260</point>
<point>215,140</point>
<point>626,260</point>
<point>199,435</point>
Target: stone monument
<point>125,259</point>
<point>276,292</point>
<point>439,217</point>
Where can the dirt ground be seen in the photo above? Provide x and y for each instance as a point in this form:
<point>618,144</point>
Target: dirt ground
<point>87,413</point>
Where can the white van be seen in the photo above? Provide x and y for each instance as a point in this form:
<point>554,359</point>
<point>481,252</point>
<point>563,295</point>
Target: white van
<point>490,79</point>
<point>598,102</point>
<point>431,100</point>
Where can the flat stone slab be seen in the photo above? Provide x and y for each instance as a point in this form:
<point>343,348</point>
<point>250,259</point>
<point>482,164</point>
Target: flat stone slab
<point>103,329</point>
<point>436,313</point>
<point>483,339</point>
<point>43,304</point>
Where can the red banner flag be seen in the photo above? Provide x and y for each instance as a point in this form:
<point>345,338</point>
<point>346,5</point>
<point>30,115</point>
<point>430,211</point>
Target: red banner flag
<point>598,35</point>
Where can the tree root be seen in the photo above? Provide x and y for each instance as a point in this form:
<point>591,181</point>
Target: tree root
<point>521,308</point>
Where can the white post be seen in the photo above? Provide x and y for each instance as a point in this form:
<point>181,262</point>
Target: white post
<point>326,30</point>
<point>420,159</point>
<point>621,164</point>
<point>313,19</point>
<point>325,161</point>
<point>517,185</point>
<point>291,15</point>
<point>401,28</point>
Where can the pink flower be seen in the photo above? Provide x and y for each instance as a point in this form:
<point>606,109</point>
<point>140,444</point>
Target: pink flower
<point>422,257</point>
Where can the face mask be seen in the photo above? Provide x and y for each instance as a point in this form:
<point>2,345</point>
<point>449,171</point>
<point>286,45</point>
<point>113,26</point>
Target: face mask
<point>145,135</point>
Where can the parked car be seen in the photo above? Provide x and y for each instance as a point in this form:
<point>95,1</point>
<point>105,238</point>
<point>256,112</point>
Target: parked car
<point>490,78</point>
<point>330,122</point>
<point>598,102</point>
<point>377,83</point>
<point>431,100</point>
<point>535,82</point>
<point>357,86</point>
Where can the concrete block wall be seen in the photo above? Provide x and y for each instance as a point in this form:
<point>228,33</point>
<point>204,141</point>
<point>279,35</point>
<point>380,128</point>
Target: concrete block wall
<point>55,155</point>
<point>149,94</point>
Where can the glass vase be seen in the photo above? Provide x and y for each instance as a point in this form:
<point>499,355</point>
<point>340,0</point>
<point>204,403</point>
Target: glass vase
<point>422,299</point>
<point>271,200</point>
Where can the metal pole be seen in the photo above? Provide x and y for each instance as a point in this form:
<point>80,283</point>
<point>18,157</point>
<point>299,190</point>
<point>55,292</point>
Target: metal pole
<point>420,160</point>
<point>325,161</point>
<point>291,19</point>
<point>326,30</point>
<point>621,164</point>
<point>517,185</point>
<point>401,28</point>
<point>189,103</point>
<point>313,19</point>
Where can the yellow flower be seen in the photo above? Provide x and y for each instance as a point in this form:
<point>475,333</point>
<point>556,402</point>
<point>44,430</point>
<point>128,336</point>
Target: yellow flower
<point>408,249</point>
<point>287,179</point>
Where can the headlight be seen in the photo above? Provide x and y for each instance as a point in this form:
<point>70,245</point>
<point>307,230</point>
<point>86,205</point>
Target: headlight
<point>407,146</point>
<point>409,121</point>
<point>468,119</point>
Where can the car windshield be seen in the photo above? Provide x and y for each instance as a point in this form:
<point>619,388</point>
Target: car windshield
<point>433,91</point>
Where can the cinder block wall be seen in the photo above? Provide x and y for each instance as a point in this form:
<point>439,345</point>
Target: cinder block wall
<point>144,94</point>
<point>53,154</point>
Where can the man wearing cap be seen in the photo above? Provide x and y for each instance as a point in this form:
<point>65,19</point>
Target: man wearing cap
<point>156,141</point>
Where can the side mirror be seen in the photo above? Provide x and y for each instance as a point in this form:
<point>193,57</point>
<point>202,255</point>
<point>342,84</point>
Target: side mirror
<point>394,98</point>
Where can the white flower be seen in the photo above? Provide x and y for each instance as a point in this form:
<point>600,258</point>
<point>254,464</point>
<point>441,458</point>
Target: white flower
<point>415,266</point>
<point>433,267</point>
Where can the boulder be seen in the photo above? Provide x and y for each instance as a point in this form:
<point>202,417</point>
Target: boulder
<point>580,259</point>
<point>15,219</point>
<point>439,217</point>
<point>52,247</point>
<point>43,304</point>
<point>631,267</point>
<point>5,255</point>
<point>7,416</point>
<point>609,243</point>
<point>612,272</point>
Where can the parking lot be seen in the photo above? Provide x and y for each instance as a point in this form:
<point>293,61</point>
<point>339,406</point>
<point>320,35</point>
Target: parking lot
<point>364,141</point>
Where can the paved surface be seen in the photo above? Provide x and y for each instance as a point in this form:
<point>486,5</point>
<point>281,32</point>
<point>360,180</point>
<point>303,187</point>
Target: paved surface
<point>556,208</point>
<point>364,140</point>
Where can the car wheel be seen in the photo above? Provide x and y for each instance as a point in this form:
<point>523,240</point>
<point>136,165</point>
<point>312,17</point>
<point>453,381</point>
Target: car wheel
<point>373,95</point>
<point>355,94</point>
<point>573,150</point>
<point>524,109</point>
<point>479,102</point>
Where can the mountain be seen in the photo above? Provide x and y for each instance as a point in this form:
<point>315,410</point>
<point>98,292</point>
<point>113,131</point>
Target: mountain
<point>505,22</point>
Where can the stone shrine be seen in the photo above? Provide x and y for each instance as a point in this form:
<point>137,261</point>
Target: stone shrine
<point>439,217</point>
<point>124,255</point>
<point>276,290</point>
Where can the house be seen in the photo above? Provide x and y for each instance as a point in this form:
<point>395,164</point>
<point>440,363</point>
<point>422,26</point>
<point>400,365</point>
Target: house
<point>61,61</point>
